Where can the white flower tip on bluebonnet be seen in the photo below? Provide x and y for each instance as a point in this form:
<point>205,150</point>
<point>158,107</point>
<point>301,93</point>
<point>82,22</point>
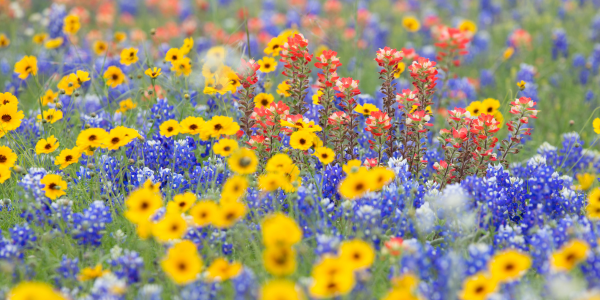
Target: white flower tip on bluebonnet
<point>536,161</point>
<point>453,196</point>
<point>425,218</point>
<point>115,252</point>
<point>150,290</point>
<point>567,180</point>
<point>108,284</point>
<point>545,147</point>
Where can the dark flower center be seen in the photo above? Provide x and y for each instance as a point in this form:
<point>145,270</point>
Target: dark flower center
<point>145,205</point>
<point>68,158</point>
<point>218,126</point>
<point>359,187</point>
<point>193,127</point>
<point>48,147</point>
<point>267,66</point>
<point>92,138</point>
<point>115,140</point>
<point>170,129</point>
<point>245,162</point>
<point>226,148</point>
<point>3,159</point>
<point>302,141</point>
<point>6,118</point>
<point>53,186</point>
<point>115,77</point>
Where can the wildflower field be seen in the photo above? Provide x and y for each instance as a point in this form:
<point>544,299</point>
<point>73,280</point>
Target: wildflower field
<point>299,149</point>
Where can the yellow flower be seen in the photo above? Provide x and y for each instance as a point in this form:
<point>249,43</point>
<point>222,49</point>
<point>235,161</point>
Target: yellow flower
<point>569,255</point>
<point>234,187</point>
<point>283,89</point>
<point>54,186</point>
<point>270,182</point>
<point>54,43</point>
<point>220,125</point>
<point>216,53</point>
<point>4,41</point>
<point>280,230</point>
<point>382,176</point>
<point>204,212</point>
<point>274,46</point>
<point>301,140</point>
<point>116,138</point>
<point>153,72</point>
<point>222,270</point>
<point>220,85</point>
<point>211,69</point>
<point>267,64</point>
<point>586,181</point>
<point>188,45</point>
<point>399,69</point>
<point>169,128</point>
<point>508,53</point>
<point>129,56</point>
<point>407,282</point>
<point>490,106</point>
<point>366,109</point>
<point>301,124</point>
<point>182,67</point>
<point>325,155</point>
<point>40,38</point>
<point>475,108</point>
<point>411,24</point>
<point>184,201</point>
<point>478,287</point>
<point>32,290</point>
<point>225,147</point>
<point>593,211</point>
<point>100,47</point>
<point>171,227</point>
<point>141,204</point>
<point>278,162</point>
<point>46,145</point>
<point>71,24</point>
<point>332,277</point>
<point>91,138</point>
<point>319,51</point>
<point>191,125</point>
<point>594,197</point>
<point>126,105</point>
<point>80,76</point>
<point>596,125</point>
<point>316,97</point>
<point>8,99</point>
<point>173,55</point>
<point>228,214</point>
<point>243,161</point>
<point>67,157</point>
<point>500,118</point>
<point>92,273</point>
<point>280,260</point>
<point>358,254</point>
<point>509,265</point>
<point>119,36</point>
<point>263,100</point>
<point>68,85</point>
<point>467,25</point>
<point>51,115</point>
<point>521,84</point>
<point>182,263</point>
<point>395,294</point>
<point>7,157</point>
<point>114,76</point>
<point>353,166</point>
<point>10,117</point>
<point>356,184</point>
<point>49,97</point>
<point>4,174</point>
<point>280,289</point>
<point>26,66</point>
